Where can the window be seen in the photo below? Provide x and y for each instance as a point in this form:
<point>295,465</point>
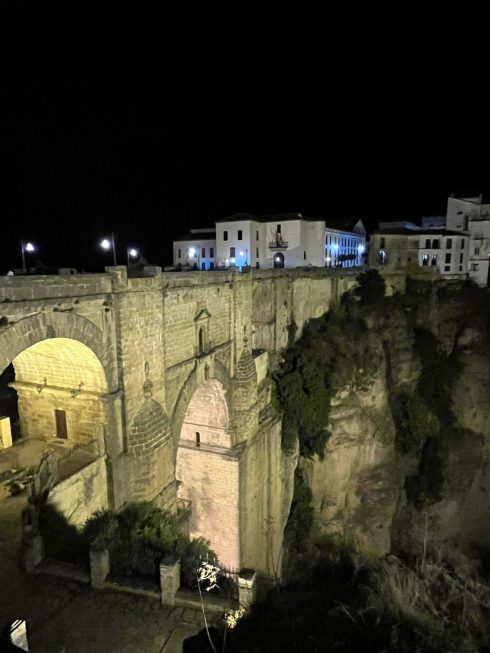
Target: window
<point>461,268</point>
<point>203,252</point>
<point>257,252</point>
<point>474,267</point>
<point>240,234</point>
<point>434,259</point>
<point>198,439</point>
<point>448,258</point>
<point>211,266</point>
<point>256,235</point>
<point>232,252</point>
<point>447,268</point>
<point>225,235</point>
<point>461,257</point>
<point>304,255</point>
<point>462,243</point>
<point>211,252</point>
<point>179,255</point>
<point>203,266</point>
<point>425,259</point>
<point>449,243</point>
<point>435,243</point>
<point>427,243</point>
<point>382,243</point>
<point>278,229</point>
<point>477,251</point>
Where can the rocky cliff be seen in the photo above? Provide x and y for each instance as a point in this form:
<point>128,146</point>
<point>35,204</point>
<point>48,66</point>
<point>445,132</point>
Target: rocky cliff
<point>406,390</point>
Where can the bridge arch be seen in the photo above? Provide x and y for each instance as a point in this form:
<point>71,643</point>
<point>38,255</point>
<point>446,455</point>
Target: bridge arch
<point>33,329</point>
<point>207,467</point>
<point>60,377</point>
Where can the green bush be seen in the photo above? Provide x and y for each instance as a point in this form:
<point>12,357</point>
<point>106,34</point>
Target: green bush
<point>437,375</point>
<point>139,535</point>
<point>371,287</point>
<point>414,422</point>
<point>300,520</point>
<point>334,351</point>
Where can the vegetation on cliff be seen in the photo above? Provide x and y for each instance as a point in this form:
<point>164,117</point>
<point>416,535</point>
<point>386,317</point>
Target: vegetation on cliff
<point>346,603</point>
<point>415,341</point>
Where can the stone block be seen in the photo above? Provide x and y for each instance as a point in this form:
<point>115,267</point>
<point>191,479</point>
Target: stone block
<point>5,433</point>
<point>100,565</point>
<point>247,587</point>
<point>169,578</point>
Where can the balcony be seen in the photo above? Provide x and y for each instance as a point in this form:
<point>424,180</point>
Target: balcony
<point>278,244</point>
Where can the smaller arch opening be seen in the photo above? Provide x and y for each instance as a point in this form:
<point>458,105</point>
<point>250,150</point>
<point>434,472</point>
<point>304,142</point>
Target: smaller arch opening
<point>201,340</point>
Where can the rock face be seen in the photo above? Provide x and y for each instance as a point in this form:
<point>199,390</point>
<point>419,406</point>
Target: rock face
<point>361,488</point>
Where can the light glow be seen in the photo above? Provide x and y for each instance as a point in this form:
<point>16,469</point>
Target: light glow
<point>105,244</point>
<point>192,252</point>
<point>133,252</point>
<point>361,249</point>
<point>29,247</point>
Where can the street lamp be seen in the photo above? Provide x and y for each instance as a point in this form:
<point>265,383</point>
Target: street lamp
<point>246,255</point>
<point>26,247</point>
<point>131,252</point>
<point>109,243</point>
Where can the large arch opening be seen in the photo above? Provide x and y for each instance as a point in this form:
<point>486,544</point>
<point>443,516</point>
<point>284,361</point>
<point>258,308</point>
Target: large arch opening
<point>58,384</point>
<point>208,472</point>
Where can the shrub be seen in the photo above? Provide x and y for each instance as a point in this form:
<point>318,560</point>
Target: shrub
<point>371,287</point>
<point>437,374</point>
<point>137,536</point>
<point>300,521</point>
<point>414,422</point>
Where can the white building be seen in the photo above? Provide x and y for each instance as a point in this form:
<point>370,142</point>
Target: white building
<point>196,250</point>
<point>467,213</point>
<point>274,241</point>
<point>288,241</point>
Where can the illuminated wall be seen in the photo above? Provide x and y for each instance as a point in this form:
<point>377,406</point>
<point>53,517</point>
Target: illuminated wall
<point>208,471</point>
<point>65,375</point>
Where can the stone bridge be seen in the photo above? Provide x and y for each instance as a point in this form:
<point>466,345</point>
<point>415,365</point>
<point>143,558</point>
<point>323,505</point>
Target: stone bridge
<point>164,378</point>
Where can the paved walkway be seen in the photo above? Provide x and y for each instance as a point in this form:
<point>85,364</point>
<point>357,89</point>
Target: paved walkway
<point>67,617</point>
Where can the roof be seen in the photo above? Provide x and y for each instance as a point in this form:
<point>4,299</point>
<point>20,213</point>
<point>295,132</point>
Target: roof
<point>419,232</point>
<point>277,217</point>
<point>236,217</point>
<point>202,235</point>
<point>342,225</point>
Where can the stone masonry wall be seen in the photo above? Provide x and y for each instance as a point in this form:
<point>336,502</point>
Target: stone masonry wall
<point>210,480</point>
<point>80,495</point>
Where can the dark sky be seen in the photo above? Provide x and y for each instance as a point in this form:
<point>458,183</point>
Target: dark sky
<point>154,128</point>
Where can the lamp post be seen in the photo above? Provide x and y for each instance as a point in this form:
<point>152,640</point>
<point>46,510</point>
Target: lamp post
<point>193,252</point>
<point>25,247</point>
<point>107,244</point>
<point>131,252</point>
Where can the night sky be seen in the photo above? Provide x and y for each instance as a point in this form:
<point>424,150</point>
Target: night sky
<point>153,128</point>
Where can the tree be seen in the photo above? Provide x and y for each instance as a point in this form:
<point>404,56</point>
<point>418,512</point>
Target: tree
<point>370,288</point>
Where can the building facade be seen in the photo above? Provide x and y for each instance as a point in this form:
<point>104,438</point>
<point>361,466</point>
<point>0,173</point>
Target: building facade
<point>276,241</point>
<point>196,250</point>
<point>407,246</point>
<point>467,213</point>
